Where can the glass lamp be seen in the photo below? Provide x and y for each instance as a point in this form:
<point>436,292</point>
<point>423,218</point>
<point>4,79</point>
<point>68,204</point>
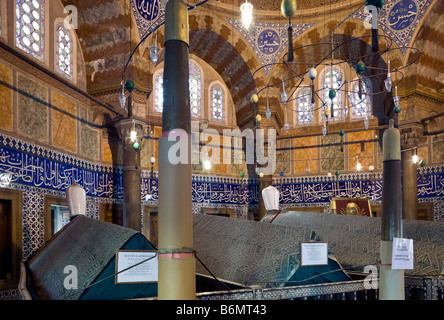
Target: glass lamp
<point>247,13</point>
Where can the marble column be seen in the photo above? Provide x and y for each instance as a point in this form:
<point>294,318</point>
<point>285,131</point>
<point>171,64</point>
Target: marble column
<point>409,142</point>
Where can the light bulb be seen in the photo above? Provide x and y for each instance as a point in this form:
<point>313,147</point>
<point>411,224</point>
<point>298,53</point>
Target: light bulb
<point>388,82</point>
<point>415,159</point>
<point>396,98</point>
<point>154,54</point>
<point>133,135</point>
<point>122,99</point>
<point>284,97</point>
<point>268,113</point>
<point>207,164</point>
<point>358,167</point>
<point>247,14</point>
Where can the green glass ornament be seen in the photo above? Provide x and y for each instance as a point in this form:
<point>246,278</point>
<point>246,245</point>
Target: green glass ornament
<point>130,85</point>
<point>377,3</point>
<point>360,67</point>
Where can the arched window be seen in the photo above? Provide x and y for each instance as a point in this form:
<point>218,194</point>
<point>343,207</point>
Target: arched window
<point>30,27</point>
<point>195,81</point>
<point>217,103</point>
<point>332,78</point>
<point>361,106</point>
<point>64,51</point>
<point>195,91</point>
<point>304,109</point>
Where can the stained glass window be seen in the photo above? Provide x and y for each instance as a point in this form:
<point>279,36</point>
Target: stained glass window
<point>304,109</point>
<point>195,91</point>
<point>30,27</point>
<point>361,107</point>
<point>332,79</point>
<point>64,51</point>
<point>217,103</point>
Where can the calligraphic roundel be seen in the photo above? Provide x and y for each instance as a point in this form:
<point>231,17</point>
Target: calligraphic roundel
<point>268,41</point>
<point>402,14</point>
<point>148,9</point>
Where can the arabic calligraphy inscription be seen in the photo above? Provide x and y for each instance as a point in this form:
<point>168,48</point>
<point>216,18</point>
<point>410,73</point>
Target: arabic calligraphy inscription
<point>402,14</point>
<point>268,41</point>
<point>148,9</point>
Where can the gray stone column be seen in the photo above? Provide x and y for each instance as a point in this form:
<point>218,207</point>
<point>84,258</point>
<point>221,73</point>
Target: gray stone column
<point>132,205</point>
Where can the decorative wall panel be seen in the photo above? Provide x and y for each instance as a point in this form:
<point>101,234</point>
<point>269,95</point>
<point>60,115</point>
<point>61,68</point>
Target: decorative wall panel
<point>303,154</point>
<point>332,158</point>
<point>32,109</point>
<point>5,98</point>
<point>362,152</point>
<point>89,138</point>
<point>64,124</point>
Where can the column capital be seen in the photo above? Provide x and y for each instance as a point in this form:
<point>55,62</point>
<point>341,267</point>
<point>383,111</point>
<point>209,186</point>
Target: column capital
<point>124,128</point>
<point>410,135</point>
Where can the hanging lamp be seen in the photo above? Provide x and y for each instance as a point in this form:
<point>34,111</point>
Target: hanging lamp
<point>312,73</point>
<point>288,9</point>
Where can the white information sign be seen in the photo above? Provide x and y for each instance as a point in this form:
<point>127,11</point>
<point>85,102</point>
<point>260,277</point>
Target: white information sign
<point>145,266</point>
<point>314,253</point>
<point>402,257</point>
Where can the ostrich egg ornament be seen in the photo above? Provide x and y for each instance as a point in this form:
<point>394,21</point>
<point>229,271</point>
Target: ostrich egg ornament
<point>312,73</point>
<point>288,8</point>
